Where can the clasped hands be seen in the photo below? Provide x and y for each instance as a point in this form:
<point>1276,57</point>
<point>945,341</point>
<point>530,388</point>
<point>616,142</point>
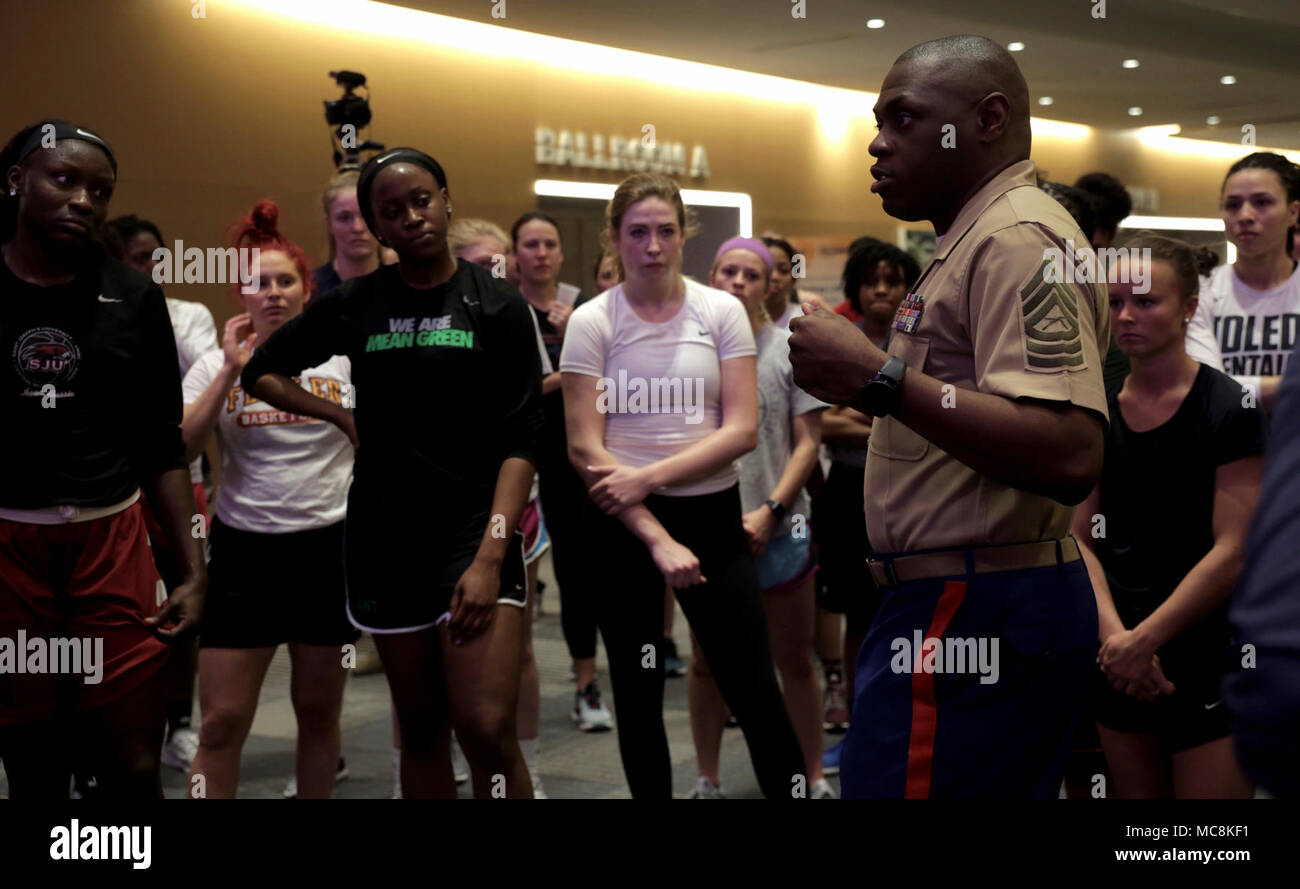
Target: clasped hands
<point>1132,666</point>
<point>619,487</point>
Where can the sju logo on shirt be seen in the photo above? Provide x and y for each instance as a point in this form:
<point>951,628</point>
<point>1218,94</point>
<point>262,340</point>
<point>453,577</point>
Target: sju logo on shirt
<point>46,356</point>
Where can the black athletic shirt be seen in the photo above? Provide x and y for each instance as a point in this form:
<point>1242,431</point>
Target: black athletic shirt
<point>447,386</point>
<point>325,278</point>
<point>553,434</point>
<point>1157,498</point>
<point>104,343</point>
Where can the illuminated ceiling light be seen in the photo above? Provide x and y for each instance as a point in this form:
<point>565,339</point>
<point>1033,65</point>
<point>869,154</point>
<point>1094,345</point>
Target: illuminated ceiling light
<point>1177,223</point>
<point>875,24</point>
<point>1131,63</point>
<point>1045,100</point>
<point>1164,137</point>
<point>1058,129</point>
<point>1015,46</point>
<point>384,21</point>
<point>1212,120</point>
<point>398,23</point>
<point>1135,111</point>
<point>1227,80</point>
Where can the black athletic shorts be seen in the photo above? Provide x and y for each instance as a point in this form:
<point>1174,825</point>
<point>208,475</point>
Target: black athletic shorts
<point>401,575</point>
<point>265,589</point>
<point>1193,715</point>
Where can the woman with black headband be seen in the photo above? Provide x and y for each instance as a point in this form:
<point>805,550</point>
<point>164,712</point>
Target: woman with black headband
<point>90,402</point>
<point>448,414</point>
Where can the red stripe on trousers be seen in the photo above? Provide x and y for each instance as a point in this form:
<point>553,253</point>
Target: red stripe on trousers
<point>925,714</point>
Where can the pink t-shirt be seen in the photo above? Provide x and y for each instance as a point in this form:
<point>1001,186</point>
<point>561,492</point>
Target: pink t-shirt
<point>659,383</point>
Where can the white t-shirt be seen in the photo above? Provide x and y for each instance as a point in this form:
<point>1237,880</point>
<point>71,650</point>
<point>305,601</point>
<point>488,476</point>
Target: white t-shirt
<point>196,335</point>
<point>280,472</point>
<point>1244,332</point>
<point>779,402</point>
<point>791,309</point>
<point>660,383</point>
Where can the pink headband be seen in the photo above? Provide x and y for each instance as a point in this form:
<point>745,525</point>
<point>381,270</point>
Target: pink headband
<point>753,245</point>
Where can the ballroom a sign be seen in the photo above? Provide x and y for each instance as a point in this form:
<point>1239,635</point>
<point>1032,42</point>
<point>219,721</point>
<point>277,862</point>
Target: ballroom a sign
<point>642,153</point>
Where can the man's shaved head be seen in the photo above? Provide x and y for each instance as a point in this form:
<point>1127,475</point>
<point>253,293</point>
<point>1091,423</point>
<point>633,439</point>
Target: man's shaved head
<point>975,66</point>
<point>951,114</point>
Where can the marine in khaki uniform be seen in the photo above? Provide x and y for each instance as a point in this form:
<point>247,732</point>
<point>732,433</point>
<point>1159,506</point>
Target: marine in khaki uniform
<point>990,413</point>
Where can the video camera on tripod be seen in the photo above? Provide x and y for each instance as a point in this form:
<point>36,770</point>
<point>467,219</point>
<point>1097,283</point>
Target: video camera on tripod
<point>349,114</point>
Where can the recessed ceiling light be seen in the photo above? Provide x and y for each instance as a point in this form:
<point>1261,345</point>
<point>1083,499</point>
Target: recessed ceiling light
<point>1227,80</point>
<point>1015,46</point>
<point>1131,63</point>
<point>1212,120</point>
<point>874,24</point>
<point>1135,111</point>
<point>1045,100</point>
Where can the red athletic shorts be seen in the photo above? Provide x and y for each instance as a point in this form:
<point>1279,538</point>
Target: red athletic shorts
<point>92,582</point>
<point>170,565</point>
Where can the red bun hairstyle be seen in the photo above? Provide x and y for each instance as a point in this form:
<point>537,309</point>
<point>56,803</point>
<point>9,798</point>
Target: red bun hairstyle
<point>260,229</point>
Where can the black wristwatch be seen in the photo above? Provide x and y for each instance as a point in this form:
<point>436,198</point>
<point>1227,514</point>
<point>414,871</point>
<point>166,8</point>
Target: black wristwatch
<point>777,508</point>
<point>882,393</point>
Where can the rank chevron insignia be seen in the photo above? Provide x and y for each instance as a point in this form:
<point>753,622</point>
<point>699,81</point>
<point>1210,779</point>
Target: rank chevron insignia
<point>1051,316</point>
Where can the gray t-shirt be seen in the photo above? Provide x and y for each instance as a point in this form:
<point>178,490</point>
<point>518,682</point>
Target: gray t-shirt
<point>779,402</point>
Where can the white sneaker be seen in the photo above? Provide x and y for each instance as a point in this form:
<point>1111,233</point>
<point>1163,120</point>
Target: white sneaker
<point>706,789</point>
<point>178,752</point>
<point>291,788</point>
<point>590,712</point>
<point>823,790</point>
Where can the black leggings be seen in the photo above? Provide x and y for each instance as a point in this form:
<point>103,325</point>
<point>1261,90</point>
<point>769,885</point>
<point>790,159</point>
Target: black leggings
<point>728,619</point>
<point>563,497</point>
<point>844,584</point>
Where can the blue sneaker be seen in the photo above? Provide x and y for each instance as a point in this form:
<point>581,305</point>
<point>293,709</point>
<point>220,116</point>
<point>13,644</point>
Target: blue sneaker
<point>831,760</point>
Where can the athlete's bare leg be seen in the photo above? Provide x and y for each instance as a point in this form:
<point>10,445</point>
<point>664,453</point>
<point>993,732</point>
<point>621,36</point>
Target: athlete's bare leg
<point>483,682</point>
<point>1138,768</point>
<point>229,682</point>
<point>316,687</point>
<point>790,628</point>
<point>413,664</point>
<point>529,715</point>
<point>708,714</point>
<point>1210,771</point>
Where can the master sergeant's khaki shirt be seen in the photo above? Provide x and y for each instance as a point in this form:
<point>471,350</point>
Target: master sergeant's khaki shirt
<point>991,322</point>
